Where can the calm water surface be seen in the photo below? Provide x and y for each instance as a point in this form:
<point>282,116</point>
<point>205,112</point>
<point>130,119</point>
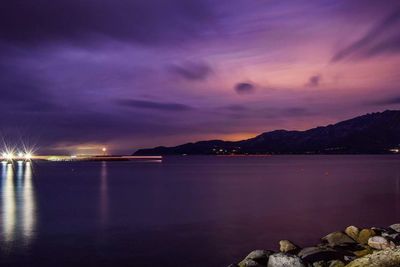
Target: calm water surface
<point>186,211</point>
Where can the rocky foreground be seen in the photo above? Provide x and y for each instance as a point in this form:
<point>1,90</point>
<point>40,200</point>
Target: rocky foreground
<point>354,247</point>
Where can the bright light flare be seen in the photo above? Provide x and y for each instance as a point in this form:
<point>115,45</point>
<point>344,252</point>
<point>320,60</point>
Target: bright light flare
<point>27,154</point>
<point>8,155</point>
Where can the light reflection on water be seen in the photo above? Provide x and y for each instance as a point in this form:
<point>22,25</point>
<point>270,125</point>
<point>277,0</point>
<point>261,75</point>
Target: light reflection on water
<point>28,205</point>
<point>8,203</point>
<point>18,206</point>
<point>103,193</point>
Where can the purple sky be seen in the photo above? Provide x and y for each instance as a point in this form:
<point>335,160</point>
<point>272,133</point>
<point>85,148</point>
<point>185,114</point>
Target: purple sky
<point>77,75</point>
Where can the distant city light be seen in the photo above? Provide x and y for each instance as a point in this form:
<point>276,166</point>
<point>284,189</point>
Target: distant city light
<point>20,154</point>
<point>104,149</point>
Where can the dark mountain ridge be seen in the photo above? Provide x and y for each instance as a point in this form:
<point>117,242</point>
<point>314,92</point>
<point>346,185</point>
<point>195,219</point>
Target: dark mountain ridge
<point>375,133</point>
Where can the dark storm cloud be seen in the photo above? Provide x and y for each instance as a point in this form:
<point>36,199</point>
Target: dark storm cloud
<point>143,21</point>
<point>192,71</point>
<point>143,104</point>
<point>314,81</point>
<point>244,88</point>
<point>379,39</point>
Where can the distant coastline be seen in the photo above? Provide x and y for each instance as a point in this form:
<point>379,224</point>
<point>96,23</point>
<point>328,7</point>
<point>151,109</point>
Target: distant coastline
<point>374,133</point>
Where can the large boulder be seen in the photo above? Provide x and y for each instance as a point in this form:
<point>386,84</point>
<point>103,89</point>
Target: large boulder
<point>365,251</point>
<point>364,235</point>
<point>250,263</point>
<point>286,246</point>
<point>285,260</point>
<point>335,264</point>
<point>379,242</point>
<point>383,230</point>
<point>259,256</point>
<point>328,264</point>
<point>353,232</point>
<point>381,258</point>
<point>395,238</point>
<point>322,253</point>
<point>395,227</point>
<point>337,239</point>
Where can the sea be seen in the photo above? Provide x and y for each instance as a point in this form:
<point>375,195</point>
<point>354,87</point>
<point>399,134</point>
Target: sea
<point>186,210</point>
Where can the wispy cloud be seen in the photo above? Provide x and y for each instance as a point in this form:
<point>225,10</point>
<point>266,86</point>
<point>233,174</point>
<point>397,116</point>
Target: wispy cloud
<point>143,104</point>
<point>386,101</point>
<point>383,37</point>
<point>192,71</point>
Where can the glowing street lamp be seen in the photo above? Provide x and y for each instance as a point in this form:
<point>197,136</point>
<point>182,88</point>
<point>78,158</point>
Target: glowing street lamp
<point>104,150</point>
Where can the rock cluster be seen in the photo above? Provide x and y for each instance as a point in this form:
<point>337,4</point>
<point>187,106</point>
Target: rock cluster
<point>353,247</point>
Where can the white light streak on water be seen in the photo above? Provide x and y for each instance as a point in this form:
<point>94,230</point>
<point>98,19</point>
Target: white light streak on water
<point>28,205</point>
<point>18,204</point>
<point>8,203</point>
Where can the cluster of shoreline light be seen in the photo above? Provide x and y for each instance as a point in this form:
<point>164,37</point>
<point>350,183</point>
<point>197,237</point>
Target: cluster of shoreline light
<point>11,155</point>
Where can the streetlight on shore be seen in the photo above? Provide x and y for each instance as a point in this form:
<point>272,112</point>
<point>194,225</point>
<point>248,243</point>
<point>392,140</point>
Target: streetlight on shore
<point>104,151</point>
